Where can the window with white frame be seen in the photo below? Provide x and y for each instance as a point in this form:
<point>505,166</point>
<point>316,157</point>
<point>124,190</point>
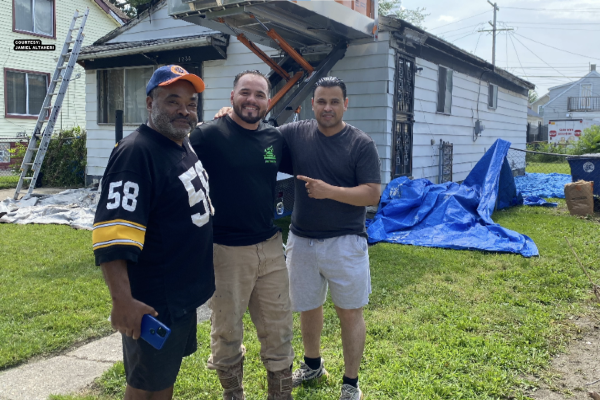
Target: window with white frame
<point>35,16</point>
<point>492,96</point>
<point>123,89</point>
<point>25,92</point>
<point>444,104</point>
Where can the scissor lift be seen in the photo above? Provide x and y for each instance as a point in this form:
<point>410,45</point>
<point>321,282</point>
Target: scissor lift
<point>297,28</point>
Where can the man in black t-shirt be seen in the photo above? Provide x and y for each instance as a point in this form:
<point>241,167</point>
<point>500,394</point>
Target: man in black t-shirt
<point>242,156</point>
<point>153,233</point>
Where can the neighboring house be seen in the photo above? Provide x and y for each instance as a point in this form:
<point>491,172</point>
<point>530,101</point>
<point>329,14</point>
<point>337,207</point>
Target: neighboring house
<point>539,103</point>
<point>26,74</point>
<point>533,118</point>
<point>408,89</point>
<point>574,100</point>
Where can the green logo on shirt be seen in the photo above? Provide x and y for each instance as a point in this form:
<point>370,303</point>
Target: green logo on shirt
<point>270,156</point>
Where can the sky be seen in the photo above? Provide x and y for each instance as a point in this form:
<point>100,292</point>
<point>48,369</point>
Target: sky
<point>553,41</point>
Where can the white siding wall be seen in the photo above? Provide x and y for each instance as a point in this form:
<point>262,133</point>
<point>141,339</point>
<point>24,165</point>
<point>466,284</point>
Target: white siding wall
<point>508,122</point>
<point>160,26</point>
<point>100,138</point>
<point>368,71</point>
<point>73,108</point>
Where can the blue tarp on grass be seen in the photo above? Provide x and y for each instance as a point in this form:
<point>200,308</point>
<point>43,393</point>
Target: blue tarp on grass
<point>451,215</point>
<point>543,185</point>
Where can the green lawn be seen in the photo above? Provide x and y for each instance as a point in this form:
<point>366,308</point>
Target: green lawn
<point>548,167</point>
<point>9,182</point>
<point>441,324</point>
<point>51,293</point>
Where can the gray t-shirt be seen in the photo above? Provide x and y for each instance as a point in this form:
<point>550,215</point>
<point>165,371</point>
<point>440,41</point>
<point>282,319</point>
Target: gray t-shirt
<point>346,159</point>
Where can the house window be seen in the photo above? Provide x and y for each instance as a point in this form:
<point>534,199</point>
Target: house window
<point>444,104</point>
<point>25,92</point>
<point>585,101</point>
<point>123,89</point>
<point>492,96</point>
<point>34,16</point>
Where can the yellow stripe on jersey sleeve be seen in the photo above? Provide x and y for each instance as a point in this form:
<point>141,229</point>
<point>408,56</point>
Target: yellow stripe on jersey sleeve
<point>118,232</point>
<point>119,221</point>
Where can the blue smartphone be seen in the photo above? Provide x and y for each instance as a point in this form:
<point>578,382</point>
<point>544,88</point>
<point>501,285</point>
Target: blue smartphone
<point>154,332</point>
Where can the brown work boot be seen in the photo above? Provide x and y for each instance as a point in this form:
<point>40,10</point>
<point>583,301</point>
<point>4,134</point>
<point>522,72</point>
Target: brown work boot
<point>280,385</point>
<point>231,380</point>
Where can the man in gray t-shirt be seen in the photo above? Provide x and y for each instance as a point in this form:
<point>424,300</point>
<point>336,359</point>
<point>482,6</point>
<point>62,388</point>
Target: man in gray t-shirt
<point>337,174</point>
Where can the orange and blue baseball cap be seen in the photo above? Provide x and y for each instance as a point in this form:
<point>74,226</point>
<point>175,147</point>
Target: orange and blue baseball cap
<point>170,73</point>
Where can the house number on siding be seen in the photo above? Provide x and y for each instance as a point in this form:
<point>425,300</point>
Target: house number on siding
<point>185,58</point>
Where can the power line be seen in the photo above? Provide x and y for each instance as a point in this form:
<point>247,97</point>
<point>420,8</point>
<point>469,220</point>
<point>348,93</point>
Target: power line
<point>460,20</point>
<point>555,9</point>
<point>546,23</point>
<point>517,53</point>
<point>556,48</point>
<point>459,29</point>
<point>531,51</point>
<point>477,44</point>
<point>455,40</point>
<point>561,29</point>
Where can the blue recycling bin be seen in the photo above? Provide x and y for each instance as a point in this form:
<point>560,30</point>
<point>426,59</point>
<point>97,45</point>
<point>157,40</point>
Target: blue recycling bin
<point>587,168</point>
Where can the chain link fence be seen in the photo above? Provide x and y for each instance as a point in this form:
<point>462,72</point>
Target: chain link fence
<point>585,167</point>
<point>9,163</point>
<point>522,161</point>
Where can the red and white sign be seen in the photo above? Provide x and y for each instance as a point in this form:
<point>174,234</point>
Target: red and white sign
<point>567,131</point>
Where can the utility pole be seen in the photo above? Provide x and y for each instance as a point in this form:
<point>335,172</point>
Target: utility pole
<point>496,9</point>
<point>494,31</point>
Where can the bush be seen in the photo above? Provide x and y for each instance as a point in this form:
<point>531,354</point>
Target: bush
<point>546,148</point>
<point>589,142</point>
<point>65,160</point>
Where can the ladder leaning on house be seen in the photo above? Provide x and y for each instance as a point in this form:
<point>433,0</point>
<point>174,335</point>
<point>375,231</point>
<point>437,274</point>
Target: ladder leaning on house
<point>62,75</point>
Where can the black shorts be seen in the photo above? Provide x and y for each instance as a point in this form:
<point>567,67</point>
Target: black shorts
<point>154,370</point>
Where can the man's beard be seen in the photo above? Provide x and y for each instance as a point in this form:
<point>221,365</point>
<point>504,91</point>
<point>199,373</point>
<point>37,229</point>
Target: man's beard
<point>328,124</point>
<point>260,114</point>
<point>163,123</point>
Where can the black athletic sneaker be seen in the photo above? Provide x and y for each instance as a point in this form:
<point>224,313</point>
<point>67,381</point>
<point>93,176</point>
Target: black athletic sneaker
<point>306,374</point>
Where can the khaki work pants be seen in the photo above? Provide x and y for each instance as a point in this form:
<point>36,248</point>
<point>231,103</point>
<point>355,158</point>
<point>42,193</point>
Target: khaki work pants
<point>255,278</point>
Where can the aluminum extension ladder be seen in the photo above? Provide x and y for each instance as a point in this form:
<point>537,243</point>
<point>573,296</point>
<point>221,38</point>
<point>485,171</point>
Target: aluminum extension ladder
<point>62,75</point>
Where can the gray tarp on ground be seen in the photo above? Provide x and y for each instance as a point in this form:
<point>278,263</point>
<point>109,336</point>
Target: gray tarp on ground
<point>73,207</point>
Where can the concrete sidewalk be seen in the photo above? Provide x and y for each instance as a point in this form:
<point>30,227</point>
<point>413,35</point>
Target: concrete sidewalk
<point>68,373</point>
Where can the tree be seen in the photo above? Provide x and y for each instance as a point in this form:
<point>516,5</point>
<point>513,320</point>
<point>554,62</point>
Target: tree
<point>129,7</point>
<point>415,17</point>
<point>533,96</point>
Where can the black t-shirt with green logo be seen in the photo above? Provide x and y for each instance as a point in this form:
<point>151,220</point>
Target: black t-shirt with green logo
<point>242,167</point>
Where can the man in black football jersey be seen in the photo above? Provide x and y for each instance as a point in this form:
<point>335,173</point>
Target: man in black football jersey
<point>242,156</point>
<point>153,233</point>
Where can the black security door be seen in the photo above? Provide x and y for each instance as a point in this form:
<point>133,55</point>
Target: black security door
<point>404,95</point>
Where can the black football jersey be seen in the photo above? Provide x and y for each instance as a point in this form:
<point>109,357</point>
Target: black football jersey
<point>155,212</point>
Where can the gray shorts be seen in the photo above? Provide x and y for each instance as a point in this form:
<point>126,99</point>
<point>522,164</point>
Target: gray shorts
<point>342,263</point>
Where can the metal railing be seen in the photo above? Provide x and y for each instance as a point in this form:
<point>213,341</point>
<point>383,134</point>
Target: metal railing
<point>583,104</point>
